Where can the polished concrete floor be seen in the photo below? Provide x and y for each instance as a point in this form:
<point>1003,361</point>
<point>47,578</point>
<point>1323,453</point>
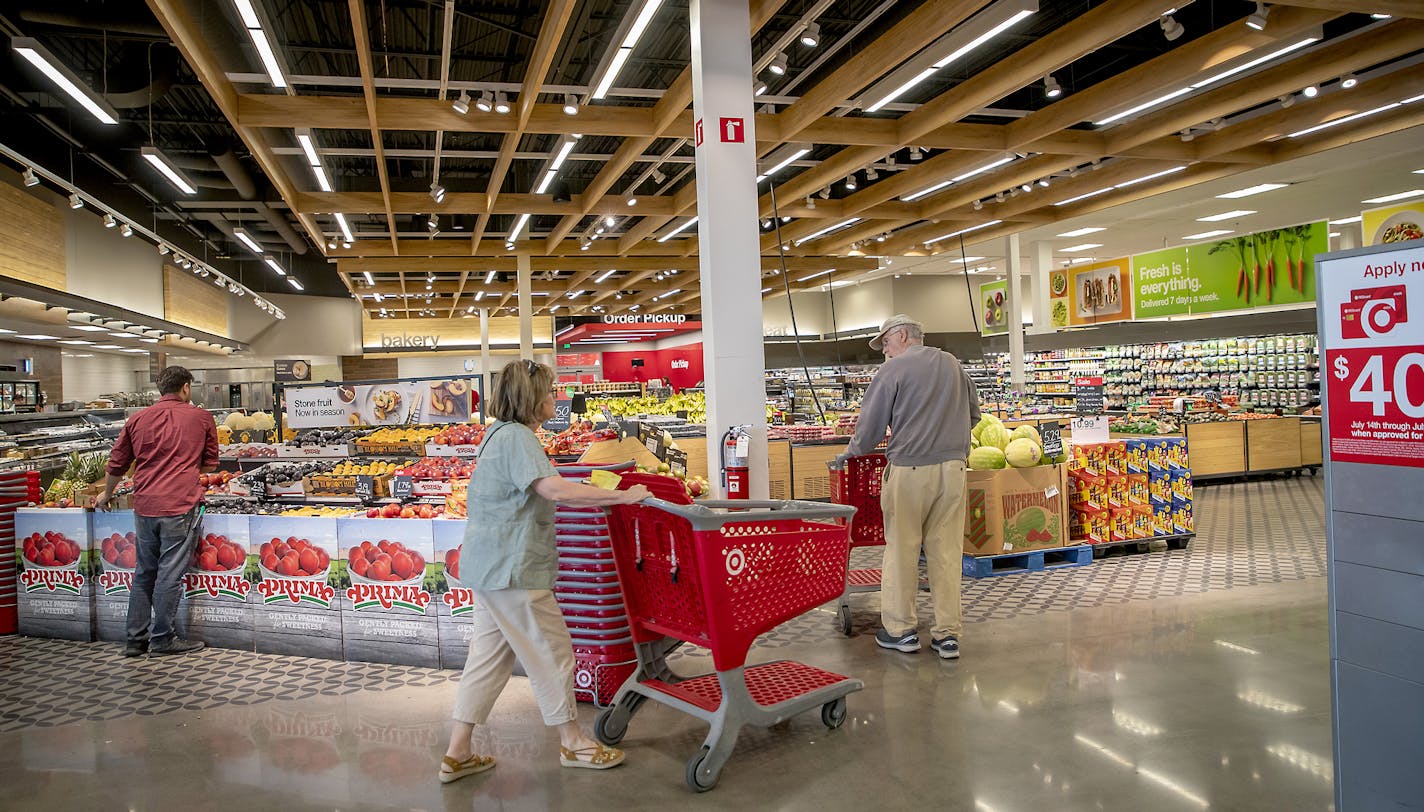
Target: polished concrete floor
<point>1203,684</point>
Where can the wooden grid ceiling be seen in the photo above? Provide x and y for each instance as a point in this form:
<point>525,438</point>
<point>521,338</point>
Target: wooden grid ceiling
<point>978,172</point>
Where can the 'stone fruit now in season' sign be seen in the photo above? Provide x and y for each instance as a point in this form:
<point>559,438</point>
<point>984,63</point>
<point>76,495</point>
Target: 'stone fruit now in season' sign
<point>1275,267</point>
<point>1373,361</point>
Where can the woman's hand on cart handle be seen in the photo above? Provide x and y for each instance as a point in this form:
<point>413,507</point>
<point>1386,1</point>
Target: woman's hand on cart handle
<point>636,494</point>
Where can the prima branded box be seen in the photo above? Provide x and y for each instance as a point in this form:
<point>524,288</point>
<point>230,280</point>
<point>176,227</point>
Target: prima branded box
<point>388,612</point>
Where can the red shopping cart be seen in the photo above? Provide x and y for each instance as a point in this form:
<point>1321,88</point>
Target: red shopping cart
<point>718,574</point>
<point>857,483</point>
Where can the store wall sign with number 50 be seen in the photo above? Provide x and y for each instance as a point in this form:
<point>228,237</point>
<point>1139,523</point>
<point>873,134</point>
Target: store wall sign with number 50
<point>1374,357</point>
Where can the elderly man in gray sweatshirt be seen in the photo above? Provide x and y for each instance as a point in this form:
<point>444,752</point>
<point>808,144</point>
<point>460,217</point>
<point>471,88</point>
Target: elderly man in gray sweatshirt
<point>930,404</point>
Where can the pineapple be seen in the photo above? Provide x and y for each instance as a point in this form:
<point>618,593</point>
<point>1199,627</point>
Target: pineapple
<point>92,469</point>
<point>72,466</point>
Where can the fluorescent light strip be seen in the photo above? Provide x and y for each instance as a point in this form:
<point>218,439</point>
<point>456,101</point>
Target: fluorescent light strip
<point>1336,122</point>
<point>954,55</point>
<point>269,57</point>
<point>489,277</point>
<point>1357,218</point>
<point>814,275</point>
<point>244,238</point>
<point>563,154</point>
<point>796,156</point>
<point>640,24</point>
<point>38,56</point>
<point>74,342</point>
<point>1394,197</point>
<point>292,280</point>
<point>971,173</point>
<point>928,190</point>
<point>827,230</point>
<point>1206,235</point>
<point>345,229</point>
<point>549,175</point>
<point>321,179</point>
<point>305,139</point>
<point>619,58</point>
<point>87,328</point>
<point>1075,249</point>
<point>966,260</point>
<point>1082,232</point>
<point>605,275</point>
<point>963,231</point>
<point>153,156</point>
<point>1226,215</point>
<point>1093,193</point>
<point>685,226</point>
<point>1147,105</point>
<point>369,280</point>
<point>1152,176</point>
<point>248,14</point>
<point>272,263</point>
<point>1253,63</point>
<point>1252,190</point>
<point>519,223</point>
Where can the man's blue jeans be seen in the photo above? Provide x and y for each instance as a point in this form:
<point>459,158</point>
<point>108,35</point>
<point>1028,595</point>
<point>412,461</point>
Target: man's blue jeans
<point>165,548</point>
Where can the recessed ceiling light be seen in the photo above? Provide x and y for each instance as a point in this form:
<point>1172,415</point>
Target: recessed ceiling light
<point>77,343</point>
<point>86,328</point>
<point>1083,232</point>
<point>1087,246</point>
<point>1206,235</point>
<point>39,337</point>
<point>1226,215</point>
<point>107,347</point>
<point>1396,196</point>
<point>1252,190</point>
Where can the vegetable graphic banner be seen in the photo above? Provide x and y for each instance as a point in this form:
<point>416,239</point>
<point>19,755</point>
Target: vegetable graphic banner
<point>1266,268</point>
<point>1393,223</point>
<point>994,307</point>
<point>1092,294</point>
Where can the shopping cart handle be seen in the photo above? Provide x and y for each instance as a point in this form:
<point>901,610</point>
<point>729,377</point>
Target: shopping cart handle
<point>713,513</point>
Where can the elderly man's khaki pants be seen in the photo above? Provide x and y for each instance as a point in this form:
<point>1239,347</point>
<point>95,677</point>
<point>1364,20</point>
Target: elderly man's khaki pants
<point>923,507</point>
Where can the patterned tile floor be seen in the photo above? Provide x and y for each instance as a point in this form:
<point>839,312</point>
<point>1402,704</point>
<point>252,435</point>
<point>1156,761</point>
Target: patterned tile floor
<point>1249,534</point>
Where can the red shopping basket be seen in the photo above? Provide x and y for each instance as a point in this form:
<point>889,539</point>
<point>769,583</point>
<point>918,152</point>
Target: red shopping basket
<point>856,483</point>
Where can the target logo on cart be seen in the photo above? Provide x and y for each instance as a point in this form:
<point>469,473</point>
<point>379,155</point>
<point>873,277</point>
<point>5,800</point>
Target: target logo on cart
<point>736,561</point>
<point>583,678</point>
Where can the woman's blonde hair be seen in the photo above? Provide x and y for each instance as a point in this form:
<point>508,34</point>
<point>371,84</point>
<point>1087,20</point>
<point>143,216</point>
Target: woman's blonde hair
<point>522,387</point>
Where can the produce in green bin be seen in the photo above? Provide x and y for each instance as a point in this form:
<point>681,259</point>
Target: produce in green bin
<point>1026,432</point>
<point>986,458</point>
<point>1023,453</point>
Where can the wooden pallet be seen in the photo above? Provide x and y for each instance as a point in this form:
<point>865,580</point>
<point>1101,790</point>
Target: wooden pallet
<point>1177,542</point>
<point>991,566</point>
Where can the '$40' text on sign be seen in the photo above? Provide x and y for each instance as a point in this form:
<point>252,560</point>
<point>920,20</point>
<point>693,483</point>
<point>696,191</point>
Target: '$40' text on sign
<point>1373,363</point>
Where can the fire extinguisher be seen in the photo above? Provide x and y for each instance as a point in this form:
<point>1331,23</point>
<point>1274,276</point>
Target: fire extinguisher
<point>736,475</point>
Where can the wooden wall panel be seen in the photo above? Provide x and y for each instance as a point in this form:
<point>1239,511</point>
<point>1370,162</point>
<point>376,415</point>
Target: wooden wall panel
<point>31,238</point>
<point>194,302</point>
<point>359,368</point>
<point>455,333</point>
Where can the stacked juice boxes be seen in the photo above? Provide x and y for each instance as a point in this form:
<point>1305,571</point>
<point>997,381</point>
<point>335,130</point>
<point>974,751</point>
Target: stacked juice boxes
<point>1130,489</point>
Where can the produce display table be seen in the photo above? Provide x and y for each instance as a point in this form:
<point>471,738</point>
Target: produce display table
<point>1217,449</point>
<point>1273,445</point>
<point>1312,450</point>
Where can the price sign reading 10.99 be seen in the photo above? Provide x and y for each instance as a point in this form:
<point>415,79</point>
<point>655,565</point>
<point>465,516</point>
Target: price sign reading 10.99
<point>1373,357</point>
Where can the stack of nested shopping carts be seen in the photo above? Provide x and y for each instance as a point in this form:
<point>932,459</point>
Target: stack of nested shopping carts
<point>592,602</point>
<point>17,488</point>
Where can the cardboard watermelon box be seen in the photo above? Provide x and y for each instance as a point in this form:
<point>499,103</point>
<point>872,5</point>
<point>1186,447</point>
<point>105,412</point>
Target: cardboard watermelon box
<point>299,578</point>
<point>1015,510</point>
<point>388,612</point>
<point>57,573</point>
<point>455,601</point>
<point>117,542</point>
<point>218,593</point>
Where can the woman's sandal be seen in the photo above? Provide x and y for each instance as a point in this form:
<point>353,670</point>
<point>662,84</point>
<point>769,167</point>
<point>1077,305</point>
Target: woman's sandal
<point>596,757</point>
<point>460,769</point>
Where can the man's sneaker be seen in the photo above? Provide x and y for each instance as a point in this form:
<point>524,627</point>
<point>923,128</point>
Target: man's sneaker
<point>135,648</point>
<point>908,643</point>
<point>947,649</point>
<point>177,647</point>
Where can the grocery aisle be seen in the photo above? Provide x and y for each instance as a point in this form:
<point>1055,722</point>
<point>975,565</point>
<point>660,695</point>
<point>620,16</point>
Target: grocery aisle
<point>1181,680</point>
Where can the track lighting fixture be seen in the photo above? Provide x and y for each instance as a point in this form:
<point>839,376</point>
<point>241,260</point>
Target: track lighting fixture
<point>810,202</point>
<point>1043,182</point>
<point>811,35</point>
<point>978,204</point>
<point>1257,20</point>
<point>485,102</point>
<point>999,197</point>
<point>1027,187</point>
<point>571,104</point>
<point>461,103</point>
<point>1051,88</point>
<point>850,182</point>
<point>825,193</point>
<point>163,249</point>
<point>1347,81</point>
<point>1310,91</point>
<point>437,192</point>
<point>126,230</point>
<point>76,202</point>
<point>433,224</point>
<point>915,154</point>
<point>109,221</point>
<point>778,65</point>
<point>501,103</point>
<point>1171,29</point>
<point>761,89</point>
<point>31,179</point>
<point>766,224</point>
<point>1286,100</point>
<point>1187,135</point>
<point>871,174</point>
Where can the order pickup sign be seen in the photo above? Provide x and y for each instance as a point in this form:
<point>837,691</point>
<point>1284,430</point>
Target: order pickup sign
<point>1373,362</point>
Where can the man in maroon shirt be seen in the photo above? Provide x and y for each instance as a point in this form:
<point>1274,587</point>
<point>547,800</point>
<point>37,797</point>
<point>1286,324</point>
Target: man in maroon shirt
<point>169,443</point>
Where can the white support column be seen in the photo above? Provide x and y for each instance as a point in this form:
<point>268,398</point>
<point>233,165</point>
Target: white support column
<point>1040,269</point>
<point>526,309</point>
<point>485,359</point>
<point>1016,331</point>
<point>729,256</point>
